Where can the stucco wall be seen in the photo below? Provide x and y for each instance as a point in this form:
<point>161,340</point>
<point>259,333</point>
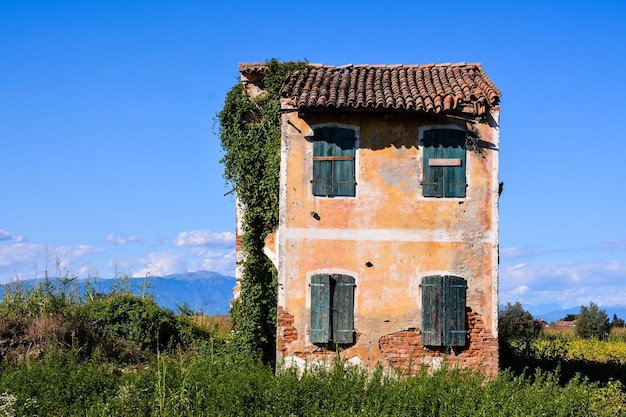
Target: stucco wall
<point>387,237</point>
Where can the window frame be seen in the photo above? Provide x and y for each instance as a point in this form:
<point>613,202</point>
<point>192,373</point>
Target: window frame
<point>333,172</point>
<point>449,177</point>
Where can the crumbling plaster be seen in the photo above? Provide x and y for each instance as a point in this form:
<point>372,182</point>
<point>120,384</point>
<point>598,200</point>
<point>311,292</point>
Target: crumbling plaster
<point>387,237</point>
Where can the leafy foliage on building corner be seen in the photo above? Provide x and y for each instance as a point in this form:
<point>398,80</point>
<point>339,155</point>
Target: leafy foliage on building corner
<point>250,136</point>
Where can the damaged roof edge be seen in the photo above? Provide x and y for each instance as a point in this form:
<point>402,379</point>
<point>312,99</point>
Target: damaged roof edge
<point>429,87</point>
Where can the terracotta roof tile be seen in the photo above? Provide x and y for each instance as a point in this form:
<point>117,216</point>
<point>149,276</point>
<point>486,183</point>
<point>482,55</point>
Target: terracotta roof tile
<point>252,67</point>
<point>429,88</point>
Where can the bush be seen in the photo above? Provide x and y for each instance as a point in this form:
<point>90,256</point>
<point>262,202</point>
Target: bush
<point>139,324</point>
<point>517,324</point>
<point>592,323</point>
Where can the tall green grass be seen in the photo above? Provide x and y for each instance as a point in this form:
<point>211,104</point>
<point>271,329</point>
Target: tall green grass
<point>136,359</point>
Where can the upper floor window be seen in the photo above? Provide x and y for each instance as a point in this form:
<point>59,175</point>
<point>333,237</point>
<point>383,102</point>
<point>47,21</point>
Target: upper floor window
<point>333,162</point>
<point>444,163</point>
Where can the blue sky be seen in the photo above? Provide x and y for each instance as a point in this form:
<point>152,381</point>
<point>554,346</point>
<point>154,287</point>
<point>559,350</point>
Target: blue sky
<point>110,161</point>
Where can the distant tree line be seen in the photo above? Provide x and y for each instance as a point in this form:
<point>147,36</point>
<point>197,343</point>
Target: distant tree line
<point>518,325</point>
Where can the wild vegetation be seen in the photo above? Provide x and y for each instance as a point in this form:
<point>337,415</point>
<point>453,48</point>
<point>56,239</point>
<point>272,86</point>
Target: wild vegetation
<point>118,354</point>
<point>590,348</point>
<point>249,129</point>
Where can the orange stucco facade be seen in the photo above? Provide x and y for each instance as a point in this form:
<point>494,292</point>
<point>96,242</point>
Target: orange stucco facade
<point>388,237</point>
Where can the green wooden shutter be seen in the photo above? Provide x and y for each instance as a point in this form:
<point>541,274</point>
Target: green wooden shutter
<point>444,181</point>
<point>432,292</point>
<point>320,308</point>
<point>343,309</point>
<point>322,170</point>
<point>343,170</point>
<point>454,311</point>
<point>433,176</point>
<point>454,177</point>
<point>443,315</point>
<point>334,177</point>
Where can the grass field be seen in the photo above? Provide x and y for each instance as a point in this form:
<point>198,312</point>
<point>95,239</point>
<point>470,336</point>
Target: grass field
<point>121,355</point>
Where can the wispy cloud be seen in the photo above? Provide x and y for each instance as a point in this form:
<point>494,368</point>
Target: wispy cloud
<point>174,262</point>
<point>568,284</point>
<point>205,238</point>
<point>162,263</point>
<point>618,245</point>
<point>31,260</point>
<point>519,252</point>
<point>122,239</point>
<point>208,260</point>
<point>6,236</point>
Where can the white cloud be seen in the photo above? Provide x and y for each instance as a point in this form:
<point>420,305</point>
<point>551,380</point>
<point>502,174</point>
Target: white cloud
<point>223,262</point>
<point>179,261</point>
<point>618,245</point>
<point>122,239</point>
<point>205,238</point>
<point>19,254</point>
<point>162,263</point>
<point>569,284</point>
<point>32,260</point>
<point>6,236</point>
<point>517,252</point>
<point>521,290</point>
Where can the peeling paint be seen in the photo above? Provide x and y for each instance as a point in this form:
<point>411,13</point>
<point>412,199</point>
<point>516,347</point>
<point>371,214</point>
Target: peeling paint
<point>387,237</point>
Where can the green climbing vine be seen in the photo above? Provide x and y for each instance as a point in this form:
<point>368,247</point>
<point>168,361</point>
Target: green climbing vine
<point>250,136</point>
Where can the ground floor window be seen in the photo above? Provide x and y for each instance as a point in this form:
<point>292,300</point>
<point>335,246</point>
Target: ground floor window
<point>443,315</point>
<point>332,309</point>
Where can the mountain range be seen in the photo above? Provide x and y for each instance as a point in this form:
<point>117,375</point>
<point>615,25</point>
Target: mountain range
<point>202,291</point>
<point>553,312</point>
<point>211,293</point>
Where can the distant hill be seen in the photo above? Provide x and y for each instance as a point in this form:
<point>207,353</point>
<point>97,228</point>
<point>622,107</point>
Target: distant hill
<point>202,291</point>
<point>553,312</point>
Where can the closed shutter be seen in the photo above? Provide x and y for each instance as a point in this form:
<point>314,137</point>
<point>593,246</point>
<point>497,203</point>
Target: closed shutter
<point>343,175</point>
<point>454,311</point>
<point>443,315</point>
<point>432,292</point>
<point>320,308</point>
<point>454,177</point>
<point>322,167</point>
<point>343,309</point>
<point>444,181</point>
<point>433,176</point>
<point>333,162</point>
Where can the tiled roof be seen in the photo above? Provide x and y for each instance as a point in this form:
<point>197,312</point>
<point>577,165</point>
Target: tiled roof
<point>428,88</point>
<point>252,67</point>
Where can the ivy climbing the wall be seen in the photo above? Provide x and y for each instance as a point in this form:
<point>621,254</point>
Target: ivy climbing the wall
<point>250,135</point>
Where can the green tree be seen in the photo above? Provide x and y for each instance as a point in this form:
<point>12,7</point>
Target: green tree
<point>592,323</point>
<point>517,324</point>
<point>570,317</point>
<point>617,322</point>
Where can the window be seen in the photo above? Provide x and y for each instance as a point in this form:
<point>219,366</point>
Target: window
<point>444,163</point>
<point>443,315</point>
<point>333,162</point>
<point>332,308</point>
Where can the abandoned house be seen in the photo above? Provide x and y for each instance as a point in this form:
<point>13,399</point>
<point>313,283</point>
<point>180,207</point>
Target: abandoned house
<point>387,244</point>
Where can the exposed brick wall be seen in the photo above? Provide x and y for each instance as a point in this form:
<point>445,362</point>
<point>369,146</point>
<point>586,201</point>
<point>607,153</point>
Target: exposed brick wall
<point>287,332</point>
<point>404,351</point>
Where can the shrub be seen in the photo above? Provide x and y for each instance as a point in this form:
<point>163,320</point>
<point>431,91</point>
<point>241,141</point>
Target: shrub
<point>140,323</point>
<point>592,323</point>
<point>517,324</point>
